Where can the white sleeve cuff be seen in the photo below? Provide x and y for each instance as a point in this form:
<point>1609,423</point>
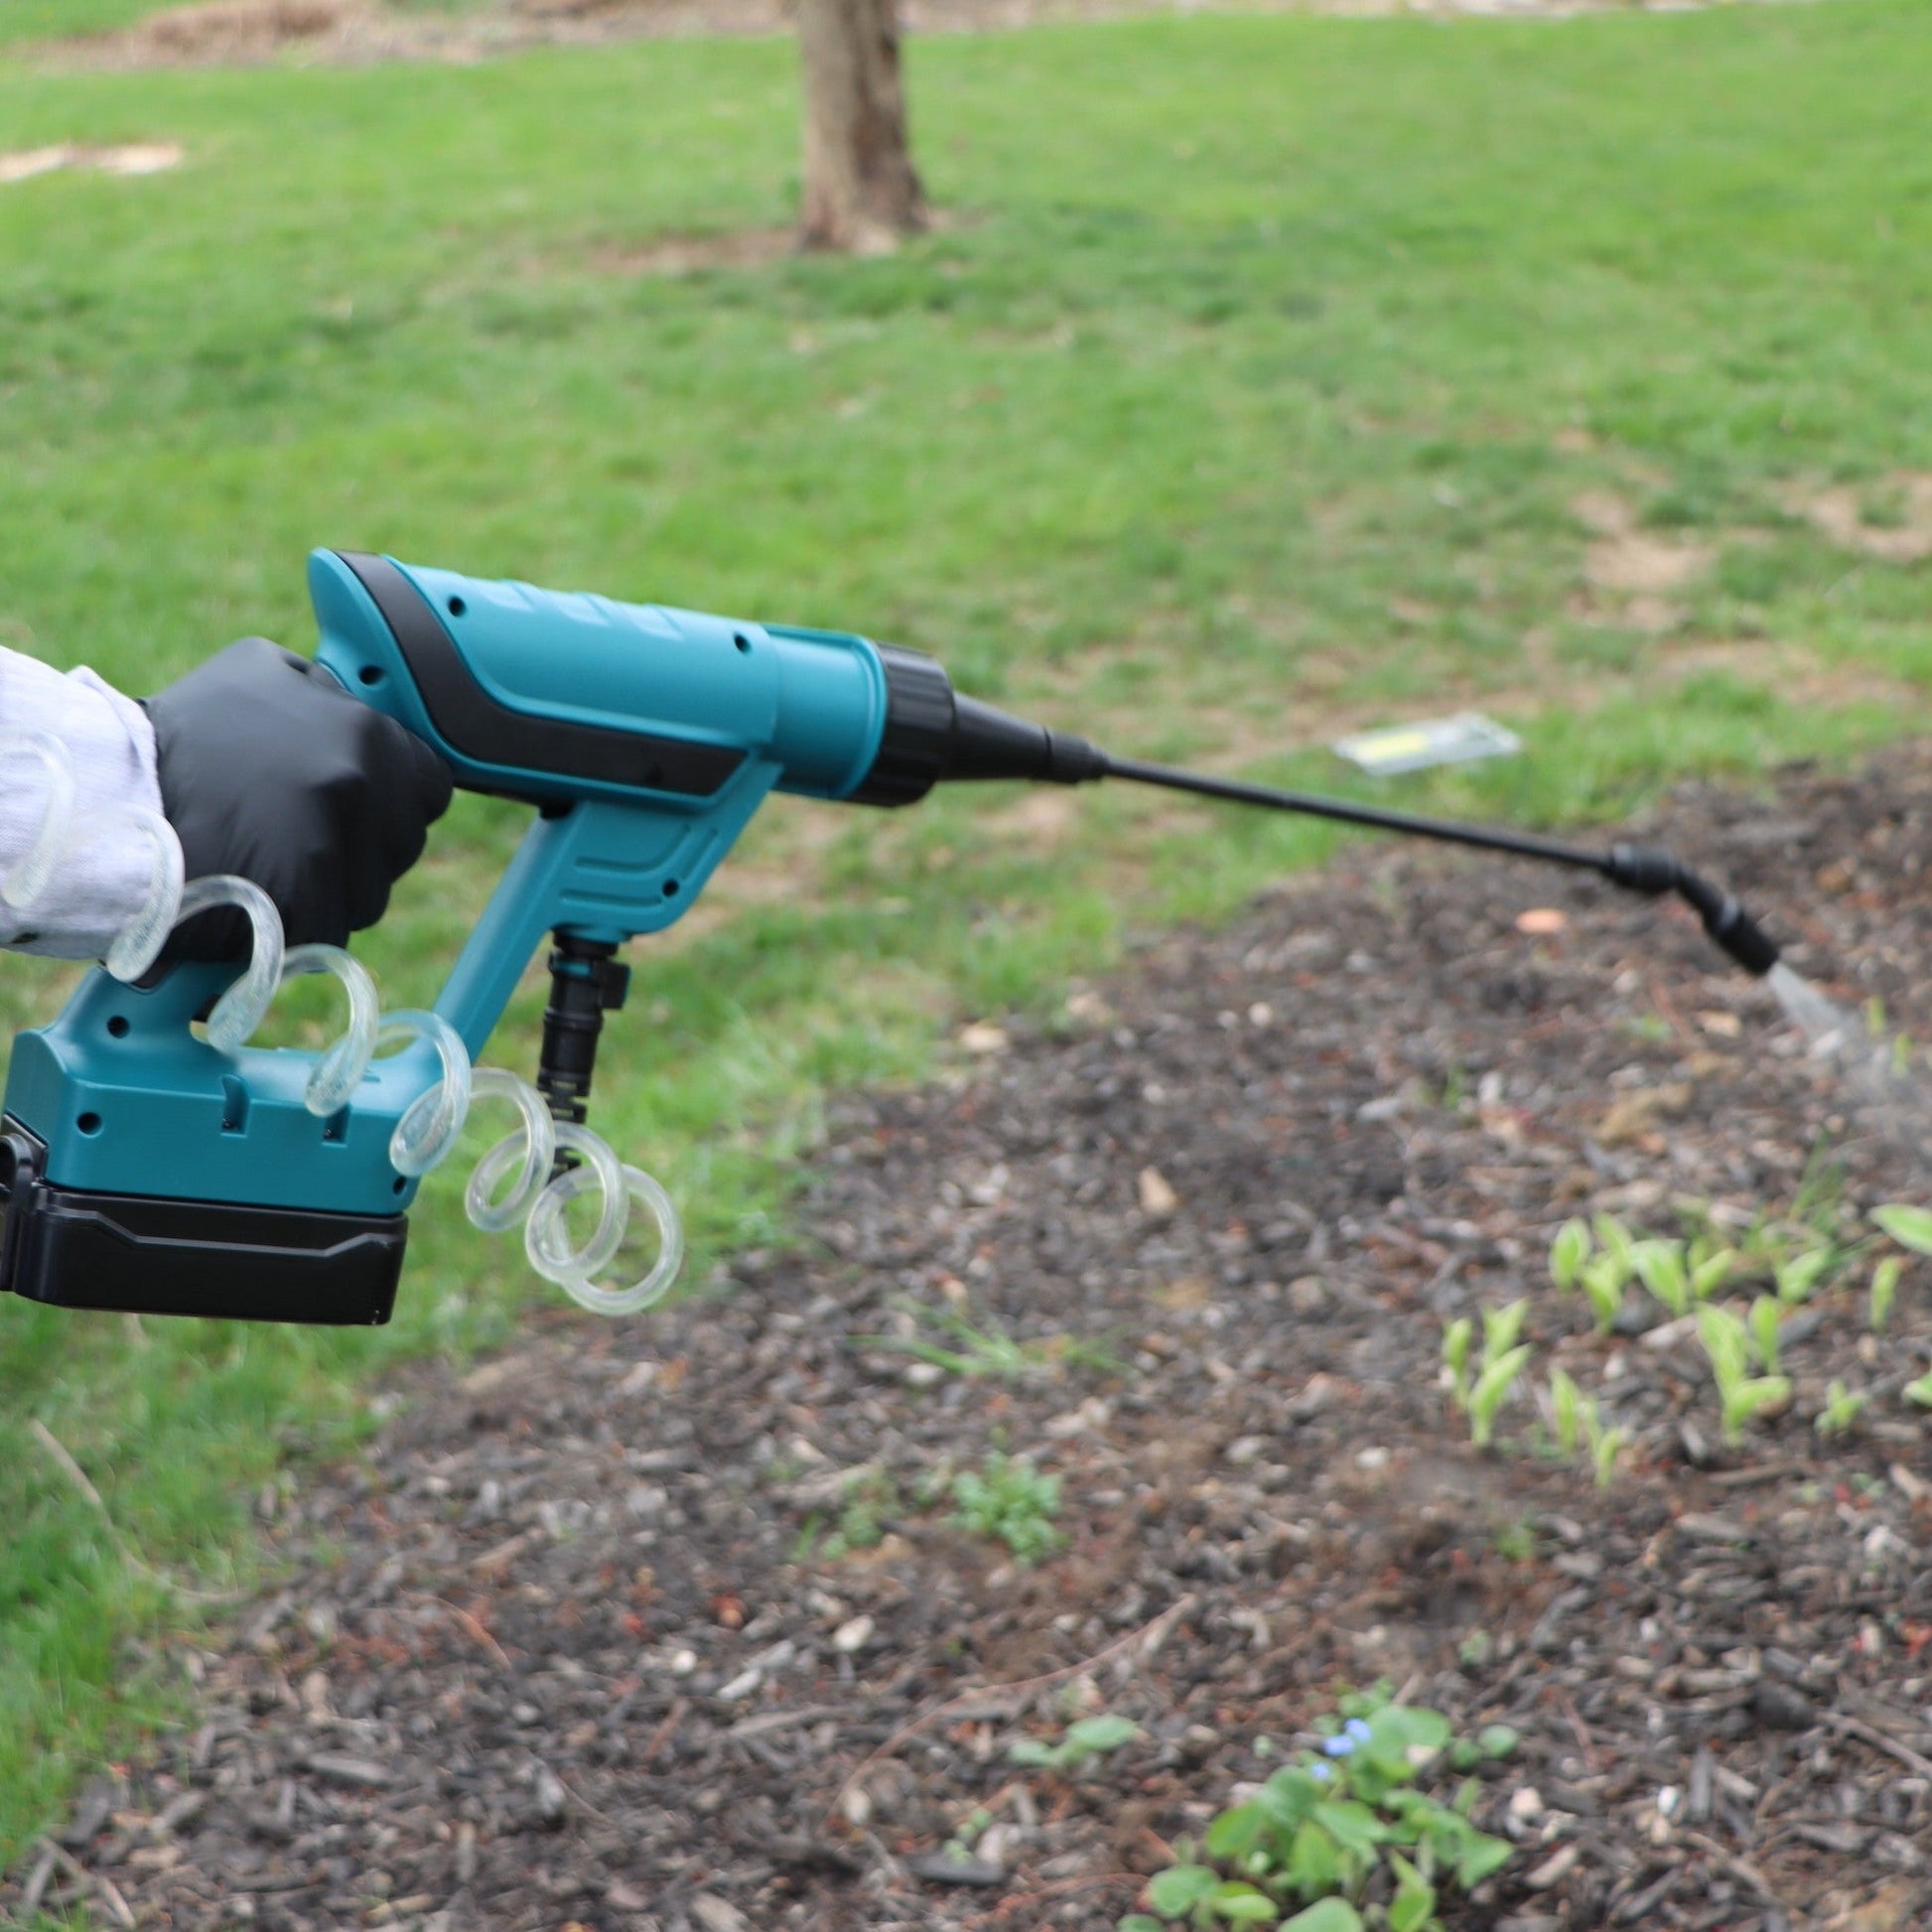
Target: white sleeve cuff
<point>102,881</point>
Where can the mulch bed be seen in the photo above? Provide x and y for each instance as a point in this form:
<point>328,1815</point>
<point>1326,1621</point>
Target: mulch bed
<point>567,1646</point>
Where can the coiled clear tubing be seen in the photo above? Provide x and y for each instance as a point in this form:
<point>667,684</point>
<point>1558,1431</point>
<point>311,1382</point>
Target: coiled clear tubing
<point>537,1196</point>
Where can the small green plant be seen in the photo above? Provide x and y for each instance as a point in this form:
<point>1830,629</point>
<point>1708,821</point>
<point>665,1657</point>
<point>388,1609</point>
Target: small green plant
<point>1841,1410</point>
<point>1492,1391</point>
<point>869,1501</point>
<point>1568,1253</point>
<point>1614,1239</point>
<point>1501,1329</point>
<point>1910,1227</point>
<point>1678,1273</point>
<point>1354,1820</point>
<point>1796,1277</point>
<point>1740,1394</point>
<point>979,1352</point>
<point>1767,1313</point>
<point>1503,1359</point>
<point>1078,1744</point>
<point>1660,1267</point>
<point>1515,1540</point>
<point>1884,1288</point>
<point>1921,1391</point>
<point>1457,1337</point>
<point>1603,1281</point>
<point>1575,1418</point>
<point>1605,1446</point>
<point>1710,1271</point>
<point>1007,1497</point>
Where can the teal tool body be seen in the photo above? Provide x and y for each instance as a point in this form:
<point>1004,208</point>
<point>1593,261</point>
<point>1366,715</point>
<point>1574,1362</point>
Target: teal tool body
<point>147,1170</point>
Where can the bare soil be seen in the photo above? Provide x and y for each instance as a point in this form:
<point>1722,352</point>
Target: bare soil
<point>571,1645</point>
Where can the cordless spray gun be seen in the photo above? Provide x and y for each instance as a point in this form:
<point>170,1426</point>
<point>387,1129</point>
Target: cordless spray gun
<point>150,1168</point>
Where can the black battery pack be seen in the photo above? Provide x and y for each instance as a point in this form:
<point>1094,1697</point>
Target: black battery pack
<point>71,1248</point>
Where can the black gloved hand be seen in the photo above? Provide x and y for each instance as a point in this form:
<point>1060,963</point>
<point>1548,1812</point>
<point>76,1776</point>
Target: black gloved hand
<point>270,769</point>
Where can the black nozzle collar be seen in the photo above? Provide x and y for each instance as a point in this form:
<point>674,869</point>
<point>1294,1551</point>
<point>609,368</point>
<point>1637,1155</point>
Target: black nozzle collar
<point>932,733</point>
<point>912,748</point>
<point>988,743</point>
<point>1648,868</point>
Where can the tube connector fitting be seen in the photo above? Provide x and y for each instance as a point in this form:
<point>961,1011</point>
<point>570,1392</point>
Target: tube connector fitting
<point>1643,869</point>
<point>1651,869</point>
<point>1730,925</point>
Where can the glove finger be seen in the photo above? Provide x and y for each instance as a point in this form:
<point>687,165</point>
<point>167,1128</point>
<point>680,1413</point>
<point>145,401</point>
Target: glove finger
<point>372,847</point>
<point>434,785</point>
<point>411,776</point>
<point>223,935</point>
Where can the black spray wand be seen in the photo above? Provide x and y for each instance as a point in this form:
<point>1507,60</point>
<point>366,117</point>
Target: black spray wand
<point>986,743</point>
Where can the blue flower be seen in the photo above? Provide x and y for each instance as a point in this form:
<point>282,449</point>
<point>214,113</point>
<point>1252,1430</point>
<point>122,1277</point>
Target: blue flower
<point>1320,1773</point>
<point>1353,1734</point>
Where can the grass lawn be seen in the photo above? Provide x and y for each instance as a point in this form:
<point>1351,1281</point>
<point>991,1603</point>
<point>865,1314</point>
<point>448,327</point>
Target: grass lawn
<point>1268,374</point>
<point>26,21</point>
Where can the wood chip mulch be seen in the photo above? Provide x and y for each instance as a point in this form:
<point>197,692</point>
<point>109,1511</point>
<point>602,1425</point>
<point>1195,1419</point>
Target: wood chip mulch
<point>572,1644</point>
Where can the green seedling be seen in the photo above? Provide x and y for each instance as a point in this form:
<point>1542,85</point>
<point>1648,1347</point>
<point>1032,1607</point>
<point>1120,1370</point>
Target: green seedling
<point>1740,1395</point>
<point>1357,1817</point>
<point>1501,1329</point>
<point>1910,1227</point>
<point>1884,1288</point>
<point>1767,1312</point>
<point>1568,1253</point>
<point>1614,1239</point>
<point>1796,1277</point>
<point>1492,1391</point>
<point>864,1510</point>
<point>1921,1391</point>
<point>1711,1273</point>
<point>1008,1498</point>
<point>987,1352</point>
<point>1603,1283</point>
<point>1457,1337</point>
<point>1725,1343</point>
<point>1841,1410</point>
<point>1575,1418</point>
<point>1660,1267</point>
<point>1605,1446</point>
<point>1078,1745</point>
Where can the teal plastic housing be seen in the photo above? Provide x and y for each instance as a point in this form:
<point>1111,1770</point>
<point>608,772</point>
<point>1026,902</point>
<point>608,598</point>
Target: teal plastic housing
<point>128,1100</point>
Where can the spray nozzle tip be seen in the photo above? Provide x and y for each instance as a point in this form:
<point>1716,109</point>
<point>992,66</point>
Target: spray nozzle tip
<point>1742,937</point>
<point>1650,868</point>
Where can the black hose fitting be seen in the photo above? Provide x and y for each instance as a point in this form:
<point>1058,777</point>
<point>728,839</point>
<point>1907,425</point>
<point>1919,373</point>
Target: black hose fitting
<point>1729,924</point>
<point>1643,869</point>
<point>587,981</point>
<point>1649,869</point>
<point>931,732</point>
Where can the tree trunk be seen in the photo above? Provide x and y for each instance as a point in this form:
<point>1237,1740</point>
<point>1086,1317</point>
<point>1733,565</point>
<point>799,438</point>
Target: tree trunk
<point>861,191</point>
